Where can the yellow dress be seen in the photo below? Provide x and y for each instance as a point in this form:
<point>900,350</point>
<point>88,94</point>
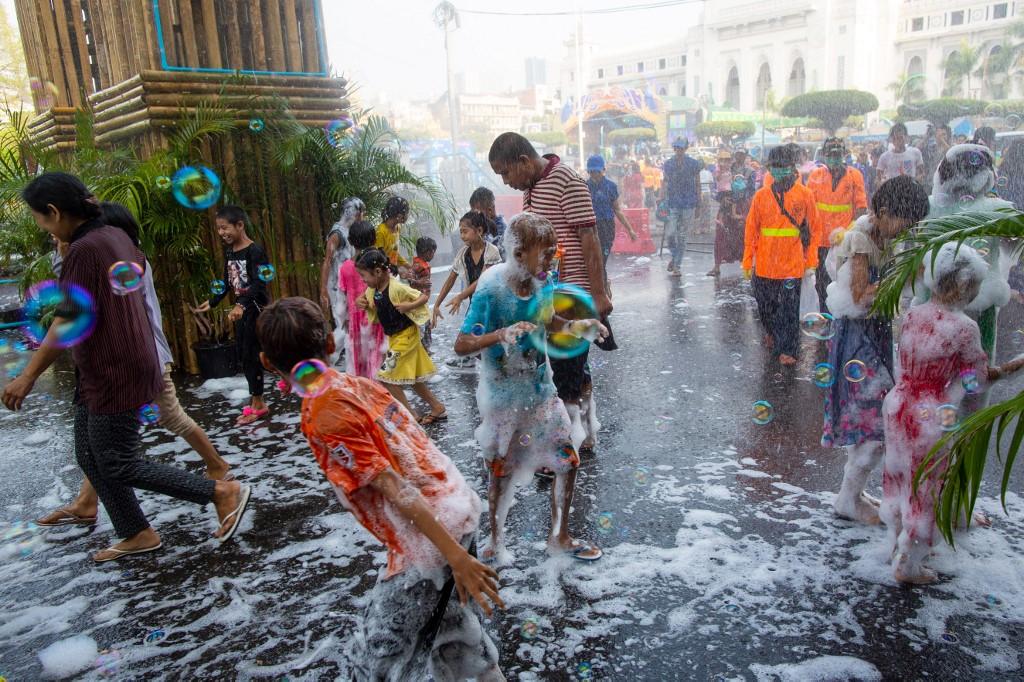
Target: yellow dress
<point>387,241</point>
<point>406,361</point>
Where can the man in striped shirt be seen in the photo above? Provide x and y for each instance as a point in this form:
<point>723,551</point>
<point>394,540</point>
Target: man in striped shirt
<point>557,192</point>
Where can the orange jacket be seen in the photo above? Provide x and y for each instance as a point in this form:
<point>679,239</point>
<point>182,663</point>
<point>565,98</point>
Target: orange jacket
<point>774,242</point>
<point>837,207</point>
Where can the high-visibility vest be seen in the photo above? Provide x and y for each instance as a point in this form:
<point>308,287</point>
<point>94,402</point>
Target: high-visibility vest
<point>772,245</point>
<point>836,206</point>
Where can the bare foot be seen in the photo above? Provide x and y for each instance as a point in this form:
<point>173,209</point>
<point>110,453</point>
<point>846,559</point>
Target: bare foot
<point>579,549</point>
<point>861,510</point>
<point>218,473</point>
<point>713,273</point>
<point>982,519</point>
<point>926,576</point>
<point>143,540</point>
<point>787,360</point>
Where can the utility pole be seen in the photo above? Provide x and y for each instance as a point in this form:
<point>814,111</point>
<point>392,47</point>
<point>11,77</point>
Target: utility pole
<point>445,16</point>
<point>579,80</point>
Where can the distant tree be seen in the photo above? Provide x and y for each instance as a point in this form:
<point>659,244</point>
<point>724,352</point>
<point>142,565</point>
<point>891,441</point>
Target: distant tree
<point>941,111</point>
<point>831,107</point>
<point>550,138</point>
<point>631,134</point>
<point>959,65</point>
<point>908,88</point>
<point>13,74</point>
<point>725,130</point>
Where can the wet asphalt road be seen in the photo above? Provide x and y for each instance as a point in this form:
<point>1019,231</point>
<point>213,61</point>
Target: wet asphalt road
<point>722,558</point>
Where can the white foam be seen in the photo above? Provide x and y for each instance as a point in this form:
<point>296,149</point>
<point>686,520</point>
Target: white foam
<point>68,656</point>
<point>821,669</point>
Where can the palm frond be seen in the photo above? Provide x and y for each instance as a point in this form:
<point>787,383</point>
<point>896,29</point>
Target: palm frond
<point>925,239</point>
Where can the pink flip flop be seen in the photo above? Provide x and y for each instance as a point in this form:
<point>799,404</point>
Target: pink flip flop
<point>250,415</point>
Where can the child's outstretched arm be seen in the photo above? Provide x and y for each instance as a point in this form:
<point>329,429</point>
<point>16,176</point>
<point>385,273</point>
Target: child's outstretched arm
<point>466,344</point>
<point>472,578</point>
<point>406,306</point>
<point>445,289</point>
<point>1005,369</point>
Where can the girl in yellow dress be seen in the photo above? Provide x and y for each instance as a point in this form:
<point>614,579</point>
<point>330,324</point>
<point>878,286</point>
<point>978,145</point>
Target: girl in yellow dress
<point>401,310</point>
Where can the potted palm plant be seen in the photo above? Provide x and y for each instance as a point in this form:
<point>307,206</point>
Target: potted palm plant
<point>215,352</point>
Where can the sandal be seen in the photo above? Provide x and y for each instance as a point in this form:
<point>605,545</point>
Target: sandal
<point>66,518</point>
<point>581,547</point>
<point>121,553</point>
<point>250,415</point>
<point>428,419</point>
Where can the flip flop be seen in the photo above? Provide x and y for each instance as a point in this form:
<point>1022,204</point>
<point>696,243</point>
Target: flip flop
<point>68,519</point>
<point>237,514</point>
<point>428,419</point>
<point>250,415</point>
<point>580,547</point>
<point>227,477</point>
<point>121,553</point>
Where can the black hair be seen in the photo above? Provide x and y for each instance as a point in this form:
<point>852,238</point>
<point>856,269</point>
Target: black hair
<point>508,147</point>
<point>425,245</point>
<point>984,135</point>
<point>898,128</point>
<point>291,330</point>
<point>479,222</point>
<point>63,190</point>
<point>901,197</point>
<point>117,215</point>
<point>362,235</point>
<point>372,259</point>
<point>481,195</point>
<point>233,214</point>
<point>781,156</point>
<point>396,206</point>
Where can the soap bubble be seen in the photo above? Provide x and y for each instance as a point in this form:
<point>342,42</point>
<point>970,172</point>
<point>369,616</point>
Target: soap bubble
<point>824,375</point>
<point>125,277</point>
<point>256,124</point>
<point>661,424</point>
<point>566,451</point>
<point>790,283</point>
<point>108,663</point>
<point>309,378</point>
<point>1003,181</point>
<point>337,130</point>
<point>217,287</point>
<point>524,440</point>
<point>477,329</point>
<point>605,522</point>
<point>924,412</point>
<point>641,476</point>
<point>569,302</point>
<point>23,537</point>
<point>529,628</point>
<point>585,671</point>
<point>148,414</point>
<point>992,600</point>
<point>949,638</point>
<point>966,199</point>
<point>949,418</point>
<point>154,637</point>
<point>969,379</point>
<point>163,182</point>
<point>855,371</point>
<point>266,272</point>
<point>196,187</point>
<point>1013,121</point>
<point>763,412</point>
<point>72,302</point>
<point>975,159</point>
<point>818,326</point>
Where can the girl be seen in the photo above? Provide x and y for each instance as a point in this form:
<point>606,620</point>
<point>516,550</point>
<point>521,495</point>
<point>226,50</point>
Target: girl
<point>338,250</point>
<point>941,358</point>
<point>732,214</point>
<point>525,426</point>
<point>389,232</point>
<point>399,309</point>
<point>859,371</point>
<point>364,340</point>
<point>633,187</point>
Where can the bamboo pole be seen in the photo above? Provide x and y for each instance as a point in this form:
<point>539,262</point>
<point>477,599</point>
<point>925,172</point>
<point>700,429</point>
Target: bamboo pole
<point>51,41</point>
<point>259,46</point>
<point>212,35</point>
<point>188,33</point>
<point>291,26</point>
<point>309,36</point>
<point>275,32</point>
<point>85,71</point>
<point>232,36</point>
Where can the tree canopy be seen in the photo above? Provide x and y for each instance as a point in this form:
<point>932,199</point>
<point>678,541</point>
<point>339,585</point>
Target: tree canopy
<point>831,107</point>
<point>941,111</point>
<point>729,130</point>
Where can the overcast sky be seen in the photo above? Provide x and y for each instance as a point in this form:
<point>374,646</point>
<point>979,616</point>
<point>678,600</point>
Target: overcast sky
<point>392,47</point>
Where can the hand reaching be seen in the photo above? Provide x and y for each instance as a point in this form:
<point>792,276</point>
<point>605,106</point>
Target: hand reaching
<point>473,579</point>
<point>510,335</point>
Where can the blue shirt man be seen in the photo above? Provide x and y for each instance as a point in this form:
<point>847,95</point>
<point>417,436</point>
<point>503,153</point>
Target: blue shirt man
<point>604,196</point>
<point>681,190</point>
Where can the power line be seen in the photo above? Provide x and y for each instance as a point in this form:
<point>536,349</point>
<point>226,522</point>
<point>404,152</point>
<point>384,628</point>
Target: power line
<point>564,13</point>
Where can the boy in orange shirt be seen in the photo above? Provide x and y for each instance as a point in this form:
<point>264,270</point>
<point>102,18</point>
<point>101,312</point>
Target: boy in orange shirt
<point>400,487</point>
<point>782,235</point>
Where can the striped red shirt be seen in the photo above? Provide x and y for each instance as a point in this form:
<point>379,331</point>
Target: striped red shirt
<point>562,197</point>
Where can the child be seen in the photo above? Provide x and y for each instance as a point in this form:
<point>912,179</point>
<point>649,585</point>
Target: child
<point>782,232</point>
<point>364,340</point>
<point>482,200</point>
<point>419,276</point>
<point>472,260</point>
<point>604,195</point>
<point>633,187</point>
<point>853,408</point>
<point>241,275</point>
<point>389,232</point>
<point>399,309</point>
<point>406,492</point>
<point>940,350</point>
<point>337,250</point>
<point>525,425</point>
<point>733,207</point>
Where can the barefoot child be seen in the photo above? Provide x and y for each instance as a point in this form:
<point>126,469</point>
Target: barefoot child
<point>406,492</point>
<point>941,358</point>
<point>525,425</point>
<point>242,276</point>
<point>364,340</point>
<point>399,309</point>
<point>860,371</point>
<point>419,277</point>
<point>389,233</point>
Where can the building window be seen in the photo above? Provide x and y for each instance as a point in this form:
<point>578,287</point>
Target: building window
<point>842,29</point>
<point>572,76</point>
<point>956,18</point>
<point>797,79</point>
<point>917,24</point>
<point>840,72</point>
<point>999,11</point>
<point>682,60</point>
<point>662,63</point>
<point>639,67</point>
<point>600,73</point>
<point>763,85</point>
<point>619,70</point>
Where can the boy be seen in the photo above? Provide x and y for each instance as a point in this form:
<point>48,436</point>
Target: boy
<point>406,492</point>
<point>482,200</point>
<point>389,233</point>
<point>901,159</point>
<point>419,276</point>
<point>241,275</point>
<point>604,195</point>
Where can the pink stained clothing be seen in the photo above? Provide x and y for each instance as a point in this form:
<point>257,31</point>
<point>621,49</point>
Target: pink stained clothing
<point>365,340</point>
<point>939,347</point>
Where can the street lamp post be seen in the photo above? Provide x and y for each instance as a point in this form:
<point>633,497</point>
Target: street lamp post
<point>445,15</point>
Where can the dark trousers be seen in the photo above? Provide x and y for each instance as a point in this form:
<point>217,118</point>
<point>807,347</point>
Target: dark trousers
<point>821,279</point>
<point>571,377</point>
<point>606,236</point>
<point>108,449</point>
<point>249,349</point>
<point>779,309</point>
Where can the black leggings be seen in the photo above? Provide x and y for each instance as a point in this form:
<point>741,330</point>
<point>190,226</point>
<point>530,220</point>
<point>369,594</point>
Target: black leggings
<point>779,309</point>
<point>108,449</point>
<point>249,350</point>
<point>821,279</point>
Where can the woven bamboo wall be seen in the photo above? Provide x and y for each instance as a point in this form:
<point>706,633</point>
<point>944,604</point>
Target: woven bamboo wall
<point>58,50</point>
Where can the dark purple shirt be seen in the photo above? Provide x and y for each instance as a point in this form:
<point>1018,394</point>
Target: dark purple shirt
<point>117,364</point>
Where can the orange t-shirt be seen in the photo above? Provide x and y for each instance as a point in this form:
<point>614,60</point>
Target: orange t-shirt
<point>357,430</point>
<point>836,207</point>
<point>774,241</point>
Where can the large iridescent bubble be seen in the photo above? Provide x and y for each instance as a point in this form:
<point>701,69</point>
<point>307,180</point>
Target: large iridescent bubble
<point>568,302</point>
<point>72,303</point>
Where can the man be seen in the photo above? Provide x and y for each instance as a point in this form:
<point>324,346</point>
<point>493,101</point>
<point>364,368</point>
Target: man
<point>604,196</point>
<point>555,191</point>
<point>681,189</point>
<point>839,195</point>
<point>863,164</point>
<point>741,166</point>
<point>901,159</point>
